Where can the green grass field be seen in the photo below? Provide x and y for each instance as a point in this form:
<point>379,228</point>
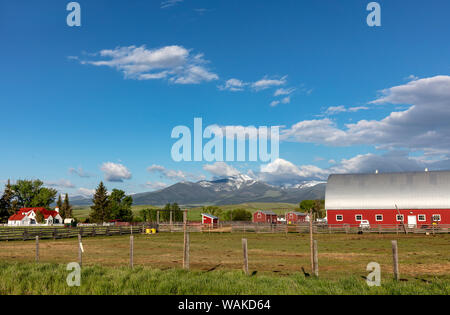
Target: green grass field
<point>50,279</point>
<point>216,264</point>
<point>82,213</point>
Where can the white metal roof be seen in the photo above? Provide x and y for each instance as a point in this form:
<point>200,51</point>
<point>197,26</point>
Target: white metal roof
<point>418,190</point>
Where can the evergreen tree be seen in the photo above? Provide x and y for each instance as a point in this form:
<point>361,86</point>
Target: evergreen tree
<point>66,208</point>
<point>7,203</point>
<point>100,210</point>
<point>59,205</point>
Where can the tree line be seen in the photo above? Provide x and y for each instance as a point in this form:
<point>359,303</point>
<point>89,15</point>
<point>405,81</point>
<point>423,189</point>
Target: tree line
<point>31,194</point>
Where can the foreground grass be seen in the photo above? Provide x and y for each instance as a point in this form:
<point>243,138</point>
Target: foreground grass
<point>50,279</point>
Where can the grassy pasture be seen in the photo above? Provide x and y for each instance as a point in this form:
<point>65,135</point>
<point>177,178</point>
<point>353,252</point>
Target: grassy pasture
<point>50,279</point>
<point>340,256</point>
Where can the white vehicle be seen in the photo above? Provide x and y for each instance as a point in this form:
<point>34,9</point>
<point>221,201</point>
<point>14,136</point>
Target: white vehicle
<point>364,225</point>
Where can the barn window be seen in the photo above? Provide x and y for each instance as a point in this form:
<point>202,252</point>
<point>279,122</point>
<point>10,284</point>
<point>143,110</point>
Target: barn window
<point>379,217</point>
<point>436,217</point>
<point>400,218</point>
<point>259,215</point>
<point>422,217</point>
<point>339,217</point>
<point>358,217</point>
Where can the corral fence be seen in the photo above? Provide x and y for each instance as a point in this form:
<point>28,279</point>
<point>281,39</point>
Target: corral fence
<point>30,233</point>
<point>52,232</point>
<point>318,228</point>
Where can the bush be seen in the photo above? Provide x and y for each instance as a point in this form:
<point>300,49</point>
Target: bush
<point>242,215</point>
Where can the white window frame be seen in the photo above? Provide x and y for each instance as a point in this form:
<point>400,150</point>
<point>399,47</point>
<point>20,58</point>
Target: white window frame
<point>379,215</point>
<point>259,216</point>
<point>339,215</point>
<point>422,215</point>
<point>402,217</point>
<point>358,215</point>
<point>436,215</point>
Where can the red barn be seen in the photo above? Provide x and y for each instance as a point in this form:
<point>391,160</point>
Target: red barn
<point>208,219</point>
<point>295,217</point>
<point>265,217</point>
<point>422,199</point>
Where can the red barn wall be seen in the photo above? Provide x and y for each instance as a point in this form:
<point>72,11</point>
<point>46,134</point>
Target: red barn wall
<point>389,216</point>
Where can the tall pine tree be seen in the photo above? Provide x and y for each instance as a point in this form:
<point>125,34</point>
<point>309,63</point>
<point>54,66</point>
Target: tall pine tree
<point>59,205</point>
<point>66,208</point>
<point>8,206</point>
<point>100,210</point>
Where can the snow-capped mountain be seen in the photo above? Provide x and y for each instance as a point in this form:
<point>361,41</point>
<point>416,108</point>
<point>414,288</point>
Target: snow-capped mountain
<point>231,190</point>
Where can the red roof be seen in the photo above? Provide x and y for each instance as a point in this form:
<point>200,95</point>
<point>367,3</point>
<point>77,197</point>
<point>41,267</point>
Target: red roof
<point>23,211</point>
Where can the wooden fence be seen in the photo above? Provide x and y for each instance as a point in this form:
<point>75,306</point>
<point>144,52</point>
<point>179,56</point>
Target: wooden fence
<point>300,228</point>
<point>30,233</point>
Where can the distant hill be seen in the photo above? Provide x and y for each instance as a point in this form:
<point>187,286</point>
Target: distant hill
<point>228,191</point>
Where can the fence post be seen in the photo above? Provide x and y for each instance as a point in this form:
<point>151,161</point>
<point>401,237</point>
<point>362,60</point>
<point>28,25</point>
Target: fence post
<point>37,248</point>
<point>395,260</point>
<point>131,251</point>
<point>316,259</point>
<point>186,262</point>
<point>157,217</point>
<point>311,241</point>
<point>80,251</point>
<point>245,250</point>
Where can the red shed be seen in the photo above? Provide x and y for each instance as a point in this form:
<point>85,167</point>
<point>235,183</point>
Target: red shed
<point>295,217</point>
<point>265,217</point>
<point>208,219</point>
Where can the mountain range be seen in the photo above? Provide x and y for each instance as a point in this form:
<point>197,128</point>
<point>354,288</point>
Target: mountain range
<point>227,191</point>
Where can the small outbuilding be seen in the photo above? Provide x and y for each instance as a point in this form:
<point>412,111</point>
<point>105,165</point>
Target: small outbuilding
<point>208,219</point>
<point>296,217</point>
<point>265,217</point>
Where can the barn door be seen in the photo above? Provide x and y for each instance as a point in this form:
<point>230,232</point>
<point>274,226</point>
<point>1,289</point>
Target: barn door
<point>412,221</point>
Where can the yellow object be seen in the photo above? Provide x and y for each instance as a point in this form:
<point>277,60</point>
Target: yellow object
<point>153,231</point>
<point>148,231</point>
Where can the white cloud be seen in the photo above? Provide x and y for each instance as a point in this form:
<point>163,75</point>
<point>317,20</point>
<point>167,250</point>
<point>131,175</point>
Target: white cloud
<point>283,91</point>
<point>174,63</point>
<point>170,3</point>
<point>115,172</point>
<point>233,85</point>
<point>274,103</point>
<point>267,82</point>
<point>284,172</point>
<point>62,183</point>
<point>175,175</point>
<point>155,185</point>
<point>80,172</point>
<point>286,100</point>
<point>221,169</point>
<point>422,127</point>
<point>86,192</point>
<point>333,110</point>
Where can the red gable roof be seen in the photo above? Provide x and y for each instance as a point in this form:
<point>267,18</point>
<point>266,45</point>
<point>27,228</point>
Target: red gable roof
<point>23,211</point>
<point>17,217</point>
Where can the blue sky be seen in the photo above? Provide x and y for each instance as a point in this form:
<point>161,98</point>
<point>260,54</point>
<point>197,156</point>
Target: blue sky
<point>101,100</point>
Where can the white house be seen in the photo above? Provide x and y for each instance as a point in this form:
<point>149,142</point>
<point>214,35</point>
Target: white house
<point>27,217</point>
